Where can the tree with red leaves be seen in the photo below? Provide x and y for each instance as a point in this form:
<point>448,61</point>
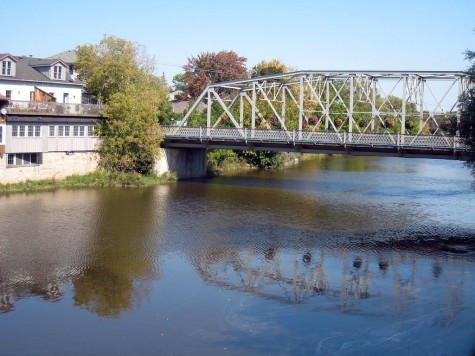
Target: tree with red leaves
<point>212,67</point>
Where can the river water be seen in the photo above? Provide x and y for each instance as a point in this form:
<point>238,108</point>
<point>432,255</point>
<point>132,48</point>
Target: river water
<point>337,255</point>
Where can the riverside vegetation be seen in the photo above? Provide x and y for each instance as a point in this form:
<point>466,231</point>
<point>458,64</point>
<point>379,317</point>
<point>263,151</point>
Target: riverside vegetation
<point>98,178</point>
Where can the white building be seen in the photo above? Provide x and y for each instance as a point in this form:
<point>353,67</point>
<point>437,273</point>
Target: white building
<point>27,79</point>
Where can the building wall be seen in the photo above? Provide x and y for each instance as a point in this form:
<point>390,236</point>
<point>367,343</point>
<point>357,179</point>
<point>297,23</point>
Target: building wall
<point>21,90</point>
<point>54,165</point>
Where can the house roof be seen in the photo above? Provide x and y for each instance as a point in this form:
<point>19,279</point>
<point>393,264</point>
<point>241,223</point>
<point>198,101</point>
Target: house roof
<point>25,70</point>
<point>68,56</point>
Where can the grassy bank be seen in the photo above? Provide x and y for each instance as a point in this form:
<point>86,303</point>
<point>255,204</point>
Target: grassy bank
<point>94,179</point>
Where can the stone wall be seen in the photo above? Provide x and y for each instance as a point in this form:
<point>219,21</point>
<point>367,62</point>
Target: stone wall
<point>54,165</point>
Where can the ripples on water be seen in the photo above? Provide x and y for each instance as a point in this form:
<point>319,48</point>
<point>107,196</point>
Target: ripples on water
<point>336,256</point>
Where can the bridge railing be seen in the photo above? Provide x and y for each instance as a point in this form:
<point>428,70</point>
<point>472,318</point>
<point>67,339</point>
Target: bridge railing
<point>315,137</point>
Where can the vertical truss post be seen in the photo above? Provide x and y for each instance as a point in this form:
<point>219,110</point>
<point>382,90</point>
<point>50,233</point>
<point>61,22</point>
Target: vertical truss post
<point>301,113</point>
<point>283,103</point>
<point>350,116</point>
<point>241,109</point>
<point>327,103</point>
<point>421,109</point>
<point>253,110</point>
<point>373,104</point>
<point>208,114</point>
<point>403,109</point>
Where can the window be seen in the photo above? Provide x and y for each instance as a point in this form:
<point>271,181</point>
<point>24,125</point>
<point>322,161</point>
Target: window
<point>30,131</point>
<point>32,96</point>
<point>8,94</point>
<point>57,72</point>
<point>51,131</point>
<point>23,159</point>
<point>90,130</point>
<point>14,131</point>
<point>22,131</point>
<point>67,130</point>
<point>60,130</point>
<point>76,131</point>
<point>81,130</point>
<point>6,68</point>
<point>37,131</point>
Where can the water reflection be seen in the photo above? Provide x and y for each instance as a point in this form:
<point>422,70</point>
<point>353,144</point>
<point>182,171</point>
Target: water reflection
<point>392,281</point>
<point>104,243</point>
<point>325,257</point>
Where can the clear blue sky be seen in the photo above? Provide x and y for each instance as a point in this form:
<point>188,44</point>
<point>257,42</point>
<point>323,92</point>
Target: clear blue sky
<point>304,34</point>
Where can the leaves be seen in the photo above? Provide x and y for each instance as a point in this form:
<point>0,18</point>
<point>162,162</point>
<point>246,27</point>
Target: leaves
<point>119,73</point>
<point>211,67</point>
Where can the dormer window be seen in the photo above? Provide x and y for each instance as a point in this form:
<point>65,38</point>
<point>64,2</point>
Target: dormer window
<point>7,64</point>
<point>58,72</point>
<point>6,67</point>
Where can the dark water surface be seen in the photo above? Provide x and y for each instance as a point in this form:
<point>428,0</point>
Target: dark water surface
<point>339,255</point>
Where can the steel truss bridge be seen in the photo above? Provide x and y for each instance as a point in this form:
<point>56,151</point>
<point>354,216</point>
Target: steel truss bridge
<point>400,113</point>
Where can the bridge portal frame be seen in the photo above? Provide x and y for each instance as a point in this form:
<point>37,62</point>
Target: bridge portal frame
<point>380,100</point>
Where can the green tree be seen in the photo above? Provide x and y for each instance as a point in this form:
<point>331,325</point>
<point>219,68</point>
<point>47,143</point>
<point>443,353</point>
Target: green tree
<point>120,74</point>
<point>131,135</point>
<point>467,113</point>
<point>274,66</point>
<point>110,66</point>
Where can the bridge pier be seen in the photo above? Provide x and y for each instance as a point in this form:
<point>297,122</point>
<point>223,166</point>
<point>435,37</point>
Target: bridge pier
<point>185,163</point>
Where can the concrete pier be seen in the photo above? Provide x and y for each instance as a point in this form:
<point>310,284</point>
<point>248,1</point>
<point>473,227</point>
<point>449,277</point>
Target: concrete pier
<point>186,163</point>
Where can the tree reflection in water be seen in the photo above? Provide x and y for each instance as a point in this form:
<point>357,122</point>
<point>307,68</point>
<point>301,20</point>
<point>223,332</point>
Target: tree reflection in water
<point>121,257</point>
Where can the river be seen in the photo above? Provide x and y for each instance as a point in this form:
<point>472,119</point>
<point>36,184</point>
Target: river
<point>337,255</point>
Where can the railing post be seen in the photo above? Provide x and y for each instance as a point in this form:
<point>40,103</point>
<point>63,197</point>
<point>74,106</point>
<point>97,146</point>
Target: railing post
<point>344,137</point>
<point>398,140</point>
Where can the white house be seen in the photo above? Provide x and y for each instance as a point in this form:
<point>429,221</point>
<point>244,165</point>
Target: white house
<point>31,79</point>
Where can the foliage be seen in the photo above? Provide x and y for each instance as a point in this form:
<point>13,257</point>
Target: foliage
<point>98,178</point>
<point>274,66</point>
<point>218,158</point>
<point>131,136</point>
<point>263,159</point>
<point>112,65</point>
<point>179,82</point>
<point>120,74</point>
<point>467,112</point>
<point>211,67</point>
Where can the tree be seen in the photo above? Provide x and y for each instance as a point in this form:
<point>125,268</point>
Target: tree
<point>211,67</point>
<point>131,135</point>
<point>110,66</point>
<point>120,74</point>
<point>467,113</point>
<point>274,66</point>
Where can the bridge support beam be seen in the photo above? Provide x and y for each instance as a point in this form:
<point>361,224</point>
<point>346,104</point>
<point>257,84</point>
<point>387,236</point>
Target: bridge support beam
<point>185,163</point>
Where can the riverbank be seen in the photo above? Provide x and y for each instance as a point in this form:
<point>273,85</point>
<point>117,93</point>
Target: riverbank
<point>94,179</point>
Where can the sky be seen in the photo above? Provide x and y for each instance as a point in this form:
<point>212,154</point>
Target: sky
<point>303,34</point>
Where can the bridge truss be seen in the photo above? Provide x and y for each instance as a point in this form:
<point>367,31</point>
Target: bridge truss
<point>355,101</point>
<point>350,107</point>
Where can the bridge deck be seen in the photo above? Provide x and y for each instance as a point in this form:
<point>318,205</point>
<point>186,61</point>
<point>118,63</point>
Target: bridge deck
<point>416,146</point>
